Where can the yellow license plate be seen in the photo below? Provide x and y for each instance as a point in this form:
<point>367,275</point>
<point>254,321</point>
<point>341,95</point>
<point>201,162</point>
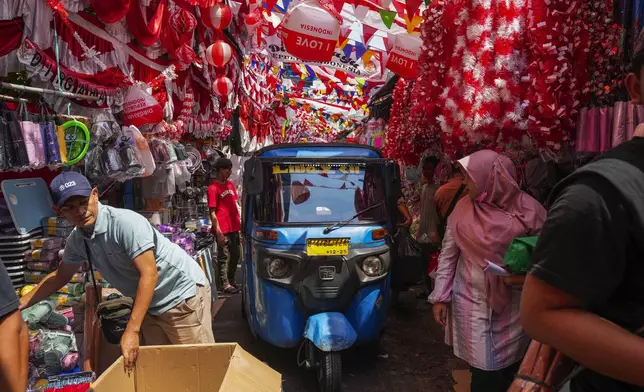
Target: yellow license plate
<point>327,246</point>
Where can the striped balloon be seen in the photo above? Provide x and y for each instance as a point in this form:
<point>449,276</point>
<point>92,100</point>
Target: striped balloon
<point>219,54</point>
<point>217,17</point>
<point>222,86</point>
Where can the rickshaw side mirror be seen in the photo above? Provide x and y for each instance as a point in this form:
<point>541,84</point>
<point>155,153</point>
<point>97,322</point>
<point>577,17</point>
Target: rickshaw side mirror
<point>253,176</point>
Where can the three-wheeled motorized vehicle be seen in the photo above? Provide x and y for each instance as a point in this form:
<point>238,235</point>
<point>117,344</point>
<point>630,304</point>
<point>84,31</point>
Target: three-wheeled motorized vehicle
<point>317,249</point>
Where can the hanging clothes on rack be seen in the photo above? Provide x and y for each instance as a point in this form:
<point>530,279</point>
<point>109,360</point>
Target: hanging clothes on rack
<point>602,128</point>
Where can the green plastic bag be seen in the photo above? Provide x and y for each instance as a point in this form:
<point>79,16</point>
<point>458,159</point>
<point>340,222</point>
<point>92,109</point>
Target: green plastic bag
<point>517,258</point>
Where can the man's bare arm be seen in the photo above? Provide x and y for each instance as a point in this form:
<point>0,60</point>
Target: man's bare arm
<point>553,317</point>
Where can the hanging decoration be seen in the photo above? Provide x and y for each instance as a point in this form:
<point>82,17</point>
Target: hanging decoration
<point>310,33</point>
<point>147,33</point>
<point>222,86</point>
<point>219,54</point>
<point>403,59</point>
<point>140,108</point>
<point>110,11</point>
<point>40,63</point>
<point>217,17</point>
<point>176,37</point>
<point>387,17</point>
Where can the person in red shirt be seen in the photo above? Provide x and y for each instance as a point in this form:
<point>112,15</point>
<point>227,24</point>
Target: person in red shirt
<point>226,223</point>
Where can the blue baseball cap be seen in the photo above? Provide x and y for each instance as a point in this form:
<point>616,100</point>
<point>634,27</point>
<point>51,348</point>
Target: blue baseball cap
<point>69,184</point>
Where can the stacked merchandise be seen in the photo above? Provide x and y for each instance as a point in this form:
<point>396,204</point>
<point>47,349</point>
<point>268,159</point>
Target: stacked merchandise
<point>12,252</point>
<point>55,322</point>
<point>44,258</point>
<point>52,343</point>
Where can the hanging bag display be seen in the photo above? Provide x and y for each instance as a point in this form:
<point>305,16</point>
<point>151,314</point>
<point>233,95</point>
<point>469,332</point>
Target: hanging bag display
<point>49,138</point>
<point>181,152</point>
<point>19,150</point>
<point>113,314</point>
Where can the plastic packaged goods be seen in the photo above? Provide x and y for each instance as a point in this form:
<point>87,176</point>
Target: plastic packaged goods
<point>137,139</point>
<point>47,243</point>
<point>41,255</point>
<point>73,289</point>
<point>42,266</point>
<point>34,276</point>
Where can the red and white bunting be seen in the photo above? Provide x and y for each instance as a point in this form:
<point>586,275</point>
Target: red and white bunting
<point>367,33</point>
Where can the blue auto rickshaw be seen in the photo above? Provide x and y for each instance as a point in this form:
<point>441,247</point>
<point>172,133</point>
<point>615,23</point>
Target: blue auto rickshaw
<point>317,249</point>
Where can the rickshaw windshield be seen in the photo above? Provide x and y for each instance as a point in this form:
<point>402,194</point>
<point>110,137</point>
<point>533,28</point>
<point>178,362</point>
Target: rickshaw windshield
<point>320,193</point>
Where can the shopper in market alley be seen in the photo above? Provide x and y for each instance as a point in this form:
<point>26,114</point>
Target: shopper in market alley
<point>172,294</point>
<point>427,234</point>
<point>585,293</point>
<point>447,196</point>
<point>479,310</point>
<point>226,223</point>
<point>14,338</point>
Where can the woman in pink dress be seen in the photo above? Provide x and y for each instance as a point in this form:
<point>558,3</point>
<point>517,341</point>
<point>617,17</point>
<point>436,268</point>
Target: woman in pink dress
<point>479,310</point>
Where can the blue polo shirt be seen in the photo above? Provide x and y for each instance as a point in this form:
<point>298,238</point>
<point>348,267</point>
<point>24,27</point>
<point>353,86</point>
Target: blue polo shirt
<point>120,236</point>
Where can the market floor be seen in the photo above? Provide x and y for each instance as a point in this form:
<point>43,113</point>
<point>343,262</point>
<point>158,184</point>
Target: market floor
<point>413,357</point>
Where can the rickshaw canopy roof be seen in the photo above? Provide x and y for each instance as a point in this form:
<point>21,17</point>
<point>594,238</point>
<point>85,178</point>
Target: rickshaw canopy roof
<point>314,150</point>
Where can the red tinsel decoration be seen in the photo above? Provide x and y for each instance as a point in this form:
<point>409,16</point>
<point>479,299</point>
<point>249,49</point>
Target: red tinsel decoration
<point>505,74</point>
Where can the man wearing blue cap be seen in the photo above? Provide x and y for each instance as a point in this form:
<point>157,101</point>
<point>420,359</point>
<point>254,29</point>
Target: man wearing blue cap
<point>172,295</point>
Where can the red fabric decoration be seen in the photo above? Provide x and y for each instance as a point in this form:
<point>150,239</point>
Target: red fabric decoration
<point>110,11</point>
<point>176,37</point>
<point>12,31</point>
<point>146,33</point>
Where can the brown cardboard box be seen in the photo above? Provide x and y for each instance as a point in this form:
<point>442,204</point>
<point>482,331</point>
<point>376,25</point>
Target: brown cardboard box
<point>222,367</point>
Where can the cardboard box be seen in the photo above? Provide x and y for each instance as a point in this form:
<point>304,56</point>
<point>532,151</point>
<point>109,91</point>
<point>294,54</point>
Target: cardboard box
<point>222,367</point>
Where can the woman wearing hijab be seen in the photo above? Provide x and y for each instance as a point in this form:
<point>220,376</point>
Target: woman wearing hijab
<point>478,309</point>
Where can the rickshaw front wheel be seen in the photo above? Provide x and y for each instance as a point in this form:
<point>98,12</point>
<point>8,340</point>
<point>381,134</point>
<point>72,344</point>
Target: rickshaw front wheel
<point>330,371</point>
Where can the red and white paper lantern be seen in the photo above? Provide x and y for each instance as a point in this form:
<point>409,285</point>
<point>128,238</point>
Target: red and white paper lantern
<point>403,59</point>
<point>310,33</point>
<point>222,86</point>
<point>217,17</point>
<point>219,54</point>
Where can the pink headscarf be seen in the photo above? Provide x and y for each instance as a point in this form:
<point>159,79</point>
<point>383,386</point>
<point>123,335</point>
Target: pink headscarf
<point>483,229</point>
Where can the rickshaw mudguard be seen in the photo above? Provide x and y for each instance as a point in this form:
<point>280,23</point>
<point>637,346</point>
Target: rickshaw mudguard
<point>279,317</point>
<point>330,331</point>
<point>368,310</point>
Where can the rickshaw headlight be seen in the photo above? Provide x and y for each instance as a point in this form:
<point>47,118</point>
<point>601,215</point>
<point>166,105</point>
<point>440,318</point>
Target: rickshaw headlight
<point>278,268</point>
<point>372,266</point>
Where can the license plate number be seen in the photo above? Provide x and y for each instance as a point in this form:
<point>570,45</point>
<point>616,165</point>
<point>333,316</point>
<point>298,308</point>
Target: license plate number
<point>327,246</point>
<point>326,272</point>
